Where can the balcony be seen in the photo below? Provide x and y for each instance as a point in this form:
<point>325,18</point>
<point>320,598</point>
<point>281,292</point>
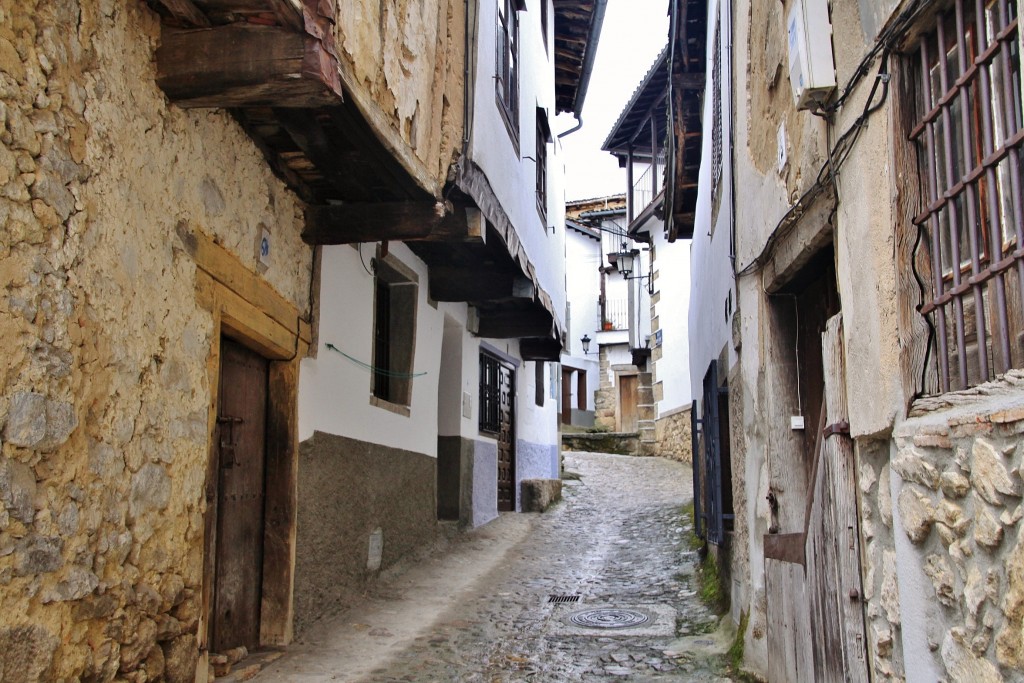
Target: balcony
<point>614,315</point>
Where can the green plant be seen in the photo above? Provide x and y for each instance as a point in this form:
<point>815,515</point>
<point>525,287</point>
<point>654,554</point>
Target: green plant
<point>710,586</point>
<point>735,651</point>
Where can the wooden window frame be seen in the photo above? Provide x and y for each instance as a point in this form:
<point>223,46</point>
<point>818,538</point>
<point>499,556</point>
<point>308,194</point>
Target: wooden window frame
<point>396,299</point>
<point>506,82</point>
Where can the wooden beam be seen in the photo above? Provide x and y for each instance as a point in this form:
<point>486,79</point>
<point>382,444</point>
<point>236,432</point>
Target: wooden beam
<point>510,323</point>
<point>534,348</point>
<point>451,283</point>
<point>401,221</point>
<point>186,11</point>
<point>241,65</point>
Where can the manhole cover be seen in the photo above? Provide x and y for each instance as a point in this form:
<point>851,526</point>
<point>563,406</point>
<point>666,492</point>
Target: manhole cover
<point>609,618</point>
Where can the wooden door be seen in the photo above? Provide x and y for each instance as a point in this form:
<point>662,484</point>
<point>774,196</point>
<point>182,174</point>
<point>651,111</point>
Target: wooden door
<point>566,396</point>
<point>506,439</point>
<point>627,403</point>
<point>241,455</point>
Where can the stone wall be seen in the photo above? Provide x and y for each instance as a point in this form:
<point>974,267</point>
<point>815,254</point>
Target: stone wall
<point>362,507</point>
<point>605,398</point>
<point>104,391</point>
<point>958,492</point>
<point>673,435</point>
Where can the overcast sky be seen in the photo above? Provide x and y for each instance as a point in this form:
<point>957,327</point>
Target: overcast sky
<point>634,33</point>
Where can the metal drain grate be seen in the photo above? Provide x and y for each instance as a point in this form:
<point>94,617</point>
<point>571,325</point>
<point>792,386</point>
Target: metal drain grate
<point>563,598</point>
<point>609,618</point>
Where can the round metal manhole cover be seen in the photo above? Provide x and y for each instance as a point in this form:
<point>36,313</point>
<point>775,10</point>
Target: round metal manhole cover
<point>609,618</point>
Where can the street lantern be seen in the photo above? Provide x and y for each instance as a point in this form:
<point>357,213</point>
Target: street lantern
<point>624,261</point>
<point>586,344</point>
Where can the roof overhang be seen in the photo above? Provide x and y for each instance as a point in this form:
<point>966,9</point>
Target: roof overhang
<point>577,32</point>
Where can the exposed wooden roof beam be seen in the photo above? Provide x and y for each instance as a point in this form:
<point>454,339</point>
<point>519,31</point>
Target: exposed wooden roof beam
<point>510,323</point>
<point>242,66</point>
<point>399,221</point>
<point>186,12</point>
<point>546,349</point>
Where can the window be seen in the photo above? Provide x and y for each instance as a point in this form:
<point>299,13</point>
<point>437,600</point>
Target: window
<point>507,79</point>
<point>539,390</point>
<point>968,134</point>
<point>543,138</point>
<point>712,461</point>
<point>490,394</point>
<point>394,331</point>
<point>544,23</point>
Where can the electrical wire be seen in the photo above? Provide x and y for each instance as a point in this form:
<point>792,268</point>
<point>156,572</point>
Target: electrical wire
<point>373,368</point>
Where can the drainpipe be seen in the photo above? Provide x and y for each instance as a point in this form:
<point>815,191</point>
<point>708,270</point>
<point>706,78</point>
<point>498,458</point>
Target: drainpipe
<point>588,64</point>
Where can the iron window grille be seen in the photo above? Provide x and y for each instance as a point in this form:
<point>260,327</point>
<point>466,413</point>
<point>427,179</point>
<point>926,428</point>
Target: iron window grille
<point>490,394</point>
<point>507,78</point>
<point>968,135</point>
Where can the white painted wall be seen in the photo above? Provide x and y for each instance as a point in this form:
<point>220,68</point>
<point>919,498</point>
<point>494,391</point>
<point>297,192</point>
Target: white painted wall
<point>672,263</point>
<point>710,260</point>
<point>334,391</point>
<point>583,286</point>
<point>511,173</point>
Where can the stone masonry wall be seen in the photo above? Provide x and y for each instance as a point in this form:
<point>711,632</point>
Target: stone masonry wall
<point>605,397</point>
<point>959,457</point>
<point>673,435</point>
<point>104,395</point>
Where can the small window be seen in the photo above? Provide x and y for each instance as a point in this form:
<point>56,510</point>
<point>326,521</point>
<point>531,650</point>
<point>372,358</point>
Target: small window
<point>394,331</point>
<point>543,138</point>
<point>490,394</point>
<point>539,382</point>
<point>507,78</point>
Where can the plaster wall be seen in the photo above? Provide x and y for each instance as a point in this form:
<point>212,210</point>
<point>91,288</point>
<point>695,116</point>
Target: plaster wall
<point>670,315</point>
<point>504,161</point>
<point>105,393</point>
<point>404,64</point>
<point>582,289</point>
<point>335,394</point>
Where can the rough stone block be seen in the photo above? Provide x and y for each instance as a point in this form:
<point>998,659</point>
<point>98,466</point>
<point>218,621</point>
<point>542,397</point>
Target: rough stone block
<point>38,555</point>
<point>987,529</point>
<point>963,665</point>
<point>26,653</point>
<point>18,489</point>
<point>917,513</point>
<point>989,475</point>
<point>954,484</point>
<point>151,490</point>
<point>35,422</point>
<point>540,494</point>
<point>913,466</point>
<point>181,657</point>
<point>938,570</point>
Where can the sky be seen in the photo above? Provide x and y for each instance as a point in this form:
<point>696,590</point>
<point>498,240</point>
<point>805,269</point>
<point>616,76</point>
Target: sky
<point>633,35</point>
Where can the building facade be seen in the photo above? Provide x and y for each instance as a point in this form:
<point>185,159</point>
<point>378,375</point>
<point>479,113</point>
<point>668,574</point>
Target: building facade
<point>279,299</point>
<point>860,406</point>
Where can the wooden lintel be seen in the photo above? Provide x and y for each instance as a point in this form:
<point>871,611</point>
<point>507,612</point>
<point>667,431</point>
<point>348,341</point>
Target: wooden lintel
<point>546,349</point>
<point>400,221</point>
<point>186,11</point>
<point>512,323</point>
<point>451,283</point>
<point>241,65</point>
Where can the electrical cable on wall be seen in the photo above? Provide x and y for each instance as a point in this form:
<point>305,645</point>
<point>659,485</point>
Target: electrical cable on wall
<point>374,369</point>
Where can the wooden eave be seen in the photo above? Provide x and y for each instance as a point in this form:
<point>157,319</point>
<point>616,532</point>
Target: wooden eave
<point>273,65</point>
<point>688,80</point>
<point>576,29</point>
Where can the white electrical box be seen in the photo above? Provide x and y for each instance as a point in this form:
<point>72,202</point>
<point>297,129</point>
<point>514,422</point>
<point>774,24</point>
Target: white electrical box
<point>796,422</point>
<point>812,72</point>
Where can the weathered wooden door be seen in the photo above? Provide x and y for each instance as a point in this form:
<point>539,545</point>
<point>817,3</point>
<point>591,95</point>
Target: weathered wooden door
<point>628,385</point>
<point>241,455</point>
<point>506,439</point>
<point>567,396</point>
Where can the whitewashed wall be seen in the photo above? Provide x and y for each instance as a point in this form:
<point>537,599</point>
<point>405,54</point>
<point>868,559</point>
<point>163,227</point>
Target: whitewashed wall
<point>511,174</point>
<point>672,264</point>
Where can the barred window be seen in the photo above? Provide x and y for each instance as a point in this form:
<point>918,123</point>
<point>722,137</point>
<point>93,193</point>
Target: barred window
<point>490,394</point>
<point>968,135</point>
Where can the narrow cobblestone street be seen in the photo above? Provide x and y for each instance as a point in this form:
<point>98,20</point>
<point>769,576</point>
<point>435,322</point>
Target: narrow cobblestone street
<point>480,610</point>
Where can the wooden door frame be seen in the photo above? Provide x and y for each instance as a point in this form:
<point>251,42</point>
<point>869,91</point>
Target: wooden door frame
<point>619,374</point>
<point>247,310</point>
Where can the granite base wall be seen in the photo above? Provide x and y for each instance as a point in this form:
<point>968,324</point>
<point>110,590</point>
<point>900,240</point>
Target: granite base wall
<point>480,504</point>
<point>349,489</point>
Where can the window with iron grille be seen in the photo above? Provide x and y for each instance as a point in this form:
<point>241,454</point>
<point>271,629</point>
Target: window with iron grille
<point>969,135</point>
<point>712,461</point>
<point>490,394</point>
<point>507,78</point>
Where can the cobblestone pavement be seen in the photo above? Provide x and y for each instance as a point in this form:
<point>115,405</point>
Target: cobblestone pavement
<point>480,611</point>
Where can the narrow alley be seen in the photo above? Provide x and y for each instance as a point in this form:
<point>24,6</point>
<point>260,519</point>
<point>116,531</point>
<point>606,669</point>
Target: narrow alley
<point>482,610</point>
